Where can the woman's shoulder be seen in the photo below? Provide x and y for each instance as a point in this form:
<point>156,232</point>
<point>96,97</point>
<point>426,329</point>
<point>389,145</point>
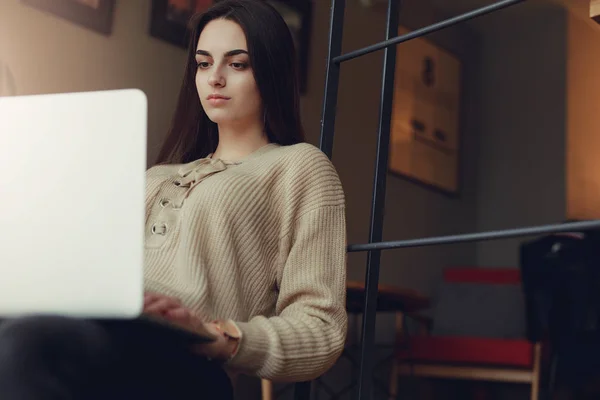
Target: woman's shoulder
<point>308,173</point>
<point>303,149</point>
<point>303,158</point>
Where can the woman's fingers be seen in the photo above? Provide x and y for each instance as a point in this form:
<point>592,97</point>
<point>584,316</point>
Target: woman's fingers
<point>157,304</point>
<point>181,316</point>
<point>171,309</point>
<point>179,313</point>
<point>150,297</point>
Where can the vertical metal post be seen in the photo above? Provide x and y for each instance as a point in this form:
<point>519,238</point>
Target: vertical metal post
<point>332,77</point>
<point>378,204</point>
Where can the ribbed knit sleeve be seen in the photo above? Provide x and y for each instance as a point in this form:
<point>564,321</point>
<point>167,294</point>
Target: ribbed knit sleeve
<point>308,333</point>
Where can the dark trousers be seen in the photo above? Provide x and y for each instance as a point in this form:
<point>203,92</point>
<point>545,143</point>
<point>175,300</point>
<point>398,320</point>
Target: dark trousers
<point>58,358</point>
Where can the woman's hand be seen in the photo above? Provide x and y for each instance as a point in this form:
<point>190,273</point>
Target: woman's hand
<point>160,305</point>
<point>172,310</point>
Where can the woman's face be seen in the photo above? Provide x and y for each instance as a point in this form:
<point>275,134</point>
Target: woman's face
<point>224,79</point>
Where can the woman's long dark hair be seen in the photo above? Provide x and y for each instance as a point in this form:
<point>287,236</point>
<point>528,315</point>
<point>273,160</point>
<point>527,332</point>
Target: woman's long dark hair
<point>273,59</point>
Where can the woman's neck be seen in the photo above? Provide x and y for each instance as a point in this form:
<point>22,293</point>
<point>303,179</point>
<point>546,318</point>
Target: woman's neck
<point>235,143</point>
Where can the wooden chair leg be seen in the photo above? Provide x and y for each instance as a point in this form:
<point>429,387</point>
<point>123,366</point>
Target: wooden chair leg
<point>266,389</point>
<point>393,388</point>
<point>535,383</point>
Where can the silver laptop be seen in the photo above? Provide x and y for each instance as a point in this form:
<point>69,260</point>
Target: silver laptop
<point>72,214</point>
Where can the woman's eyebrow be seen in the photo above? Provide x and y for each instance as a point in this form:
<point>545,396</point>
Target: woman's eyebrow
<point>230,53</point>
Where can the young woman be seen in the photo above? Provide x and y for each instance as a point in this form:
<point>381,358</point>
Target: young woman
<point>246,238</point>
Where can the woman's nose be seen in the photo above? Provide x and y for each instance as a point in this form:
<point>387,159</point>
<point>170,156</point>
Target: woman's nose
<point>216,79</point>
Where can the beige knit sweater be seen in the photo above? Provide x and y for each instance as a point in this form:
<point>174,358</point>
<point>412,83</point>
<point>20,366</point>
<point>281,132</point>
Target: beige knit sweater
<point>261,242</point>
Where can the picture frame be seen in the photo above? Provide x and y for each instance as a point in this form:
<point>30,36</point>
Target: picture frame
<point>169,18</point>
<point>425,126</point>
<point>96,15</point>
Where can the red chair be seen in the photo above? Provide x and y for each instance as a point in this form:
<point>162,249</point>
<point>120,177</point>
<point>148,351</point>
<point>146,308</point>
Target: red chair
<point>477,333</point>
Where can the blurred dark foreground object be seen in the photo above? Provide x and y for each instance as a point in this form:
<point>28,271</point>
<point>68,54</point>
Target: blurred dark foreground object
<point>60,358</point>
<point>561,281</point>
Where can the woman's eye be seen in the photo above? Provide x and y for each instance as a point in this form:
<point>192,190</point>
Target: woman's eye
<point>238,65</point>
<point>203,64</point>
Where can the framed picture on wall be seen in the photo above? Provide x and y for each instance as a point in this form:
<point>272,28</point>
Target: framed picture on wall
<point>96,15</point>
<point>425,126</point>
<point>169,19</point>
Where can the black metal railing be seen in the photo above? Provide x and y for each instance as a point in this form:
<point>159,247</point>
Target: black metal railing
<point>375,245</point>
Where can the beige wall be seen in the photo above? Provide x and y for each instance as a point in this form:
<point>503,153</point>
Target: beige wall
<point>47,54</point>
<point>522,149</point>
<point>583,123</point>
